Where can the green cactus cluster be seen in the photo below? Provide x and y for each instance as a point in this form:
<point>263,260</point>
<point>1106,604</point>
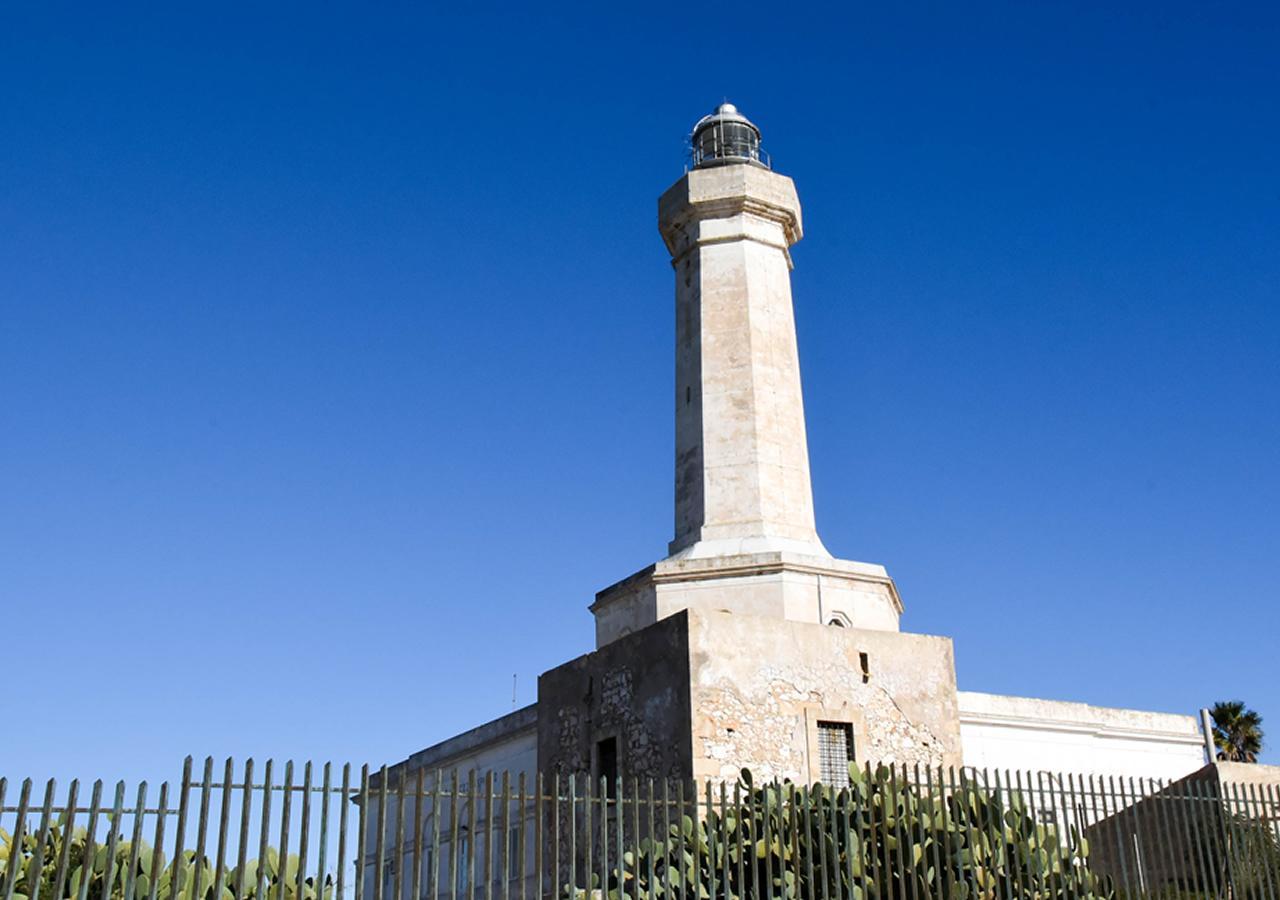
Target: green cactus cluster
<point>128,873</point>
<point>876,839</point>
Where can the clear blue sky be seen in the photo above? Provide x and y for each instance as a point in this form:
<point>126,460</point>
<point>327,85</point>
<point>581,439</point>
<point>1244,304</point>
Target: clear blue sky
<point>336,350</point>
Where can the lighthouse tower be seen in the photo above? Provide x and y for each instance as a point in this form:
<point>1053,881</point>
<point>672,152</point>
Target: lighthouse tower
<point>749,645</point>
<point>745,538</point>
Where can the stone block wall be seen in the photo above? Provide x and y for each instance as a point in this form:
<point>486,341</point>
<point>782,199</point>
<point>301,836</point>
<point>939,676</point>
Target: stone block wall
<point>635,691</point>
<point>704,694</point>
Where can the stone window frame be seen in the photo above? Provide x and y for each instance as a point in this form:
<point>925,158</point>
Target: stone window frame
<point>844,715</point>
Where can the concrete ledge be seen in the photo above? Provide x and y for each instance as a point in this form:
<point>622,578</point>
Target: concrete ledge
<point>1082,718</point>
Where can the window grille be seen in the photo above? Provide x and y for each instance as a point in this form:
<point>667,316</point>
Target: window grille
<point>835,752</point>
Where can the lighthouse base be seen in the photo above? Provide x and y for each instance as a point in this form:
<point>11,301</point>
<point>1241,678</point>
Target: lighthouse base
<point>777,584</point>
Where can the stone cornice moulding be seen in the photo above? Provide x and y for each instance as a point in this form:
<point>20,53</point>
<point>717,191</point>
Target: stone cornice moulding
<point>707,568</point>
<point>728,191</point>
<point>679,241</point>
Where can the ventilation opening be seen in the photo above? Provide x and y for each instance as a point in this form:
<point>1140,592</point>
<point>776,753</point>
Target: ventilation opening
<point>835,752</point>
<point>607,764</point>
<point>688,394</point>
<point>865,662</point>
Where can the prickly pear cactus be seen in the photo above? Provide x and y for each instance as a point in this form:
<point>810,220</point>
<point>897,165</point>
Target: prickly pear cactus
<point>876,839</point>
<point>130,873</point>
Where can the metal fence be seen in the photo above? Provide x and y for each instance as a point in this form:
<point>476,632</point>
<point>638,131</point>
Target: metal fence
<point>320,832</point>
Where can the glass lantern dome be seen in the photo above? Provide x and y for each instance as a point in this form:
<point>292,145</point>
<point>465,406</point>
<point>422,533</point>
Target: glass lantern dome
<point>725,137</point>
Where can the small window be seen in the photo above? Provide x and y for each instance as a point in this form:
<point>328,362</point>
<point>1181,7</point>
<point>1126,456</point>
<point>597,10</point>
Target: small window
<point>607,764</point>
<point>835,752</point>
<point>837,623</point>
<point>865,662</point>
<point>688,395</point>
<point>389,877</point>
<point>462,877</point>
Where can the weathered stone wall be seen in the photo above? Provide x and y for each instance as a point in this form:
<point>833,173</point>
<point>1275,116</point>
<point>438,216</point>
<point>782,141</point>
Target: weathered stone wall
<point>704,694</point>
<point>761,686</point>
<point>771,585</point>
<point>635,690</point>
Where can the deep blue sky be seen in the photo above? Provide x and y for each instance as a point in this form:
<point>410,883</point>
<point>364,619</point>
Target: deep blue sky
<point>336,350</point>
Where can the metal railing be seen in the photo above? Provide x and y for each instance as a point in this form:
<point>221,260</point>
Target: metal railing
<point>321,832</point>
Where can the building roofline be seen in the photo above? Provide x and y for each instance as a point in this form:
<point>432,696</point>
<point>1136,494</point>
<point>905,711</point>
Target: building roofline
<point>492,732</point>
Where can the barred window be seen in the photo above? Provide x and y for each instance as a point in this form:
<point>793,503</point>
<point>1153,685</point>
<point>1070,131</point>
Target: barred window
<point>835,752</point>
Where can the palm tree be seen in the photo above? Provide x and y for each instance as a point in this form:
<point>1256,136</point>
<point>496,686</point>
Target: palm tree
<point>1237,731</point>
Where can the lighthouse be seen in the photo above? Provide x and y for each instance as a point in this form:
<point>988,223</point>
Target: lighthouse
<point>745,538</point>
<point>748,644</point>
<point>742,461</point>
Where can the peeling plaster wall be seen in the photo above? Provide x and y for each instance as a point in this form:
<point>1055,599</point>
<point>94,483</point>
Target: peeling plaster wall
<point>760,686</point>
<point>635,690</point>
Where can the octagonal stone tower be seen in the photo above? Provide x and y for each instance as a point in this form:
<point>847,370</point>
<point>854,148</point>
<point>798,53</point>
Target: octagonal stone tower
<point>745,538</point>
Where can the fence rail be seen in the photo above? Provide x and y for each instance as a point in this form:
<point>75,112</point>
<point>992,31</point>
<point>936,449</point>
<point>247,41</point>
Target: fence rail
<point>322,832</point>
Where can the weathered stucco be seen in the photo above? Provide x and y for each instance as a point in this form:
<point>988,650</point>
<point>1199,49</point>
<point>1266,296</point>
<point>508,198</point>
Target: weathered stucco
<point>760,687</point>
<point>704,694</point>
<point>636,690</point>
<point>775,584</point>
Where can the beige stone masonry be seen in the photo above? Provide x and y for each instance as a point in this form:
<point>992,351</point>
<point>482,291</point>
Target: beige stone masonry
<point>745,538</point>
<point>777,585</point>
<point>742,461</point>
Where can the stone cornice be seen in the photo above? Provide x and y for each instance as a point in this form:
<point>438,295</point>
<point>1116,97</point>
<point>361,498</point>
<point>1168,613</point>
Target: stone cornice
<point>705,568</point>
<point>723,193</point>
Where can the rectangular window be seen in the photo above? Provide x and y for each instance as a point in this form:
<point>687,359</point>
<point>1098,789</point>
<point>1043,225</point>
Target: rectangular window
<point>389,878</point>
<point>835,752</point>
<point>462,877</point>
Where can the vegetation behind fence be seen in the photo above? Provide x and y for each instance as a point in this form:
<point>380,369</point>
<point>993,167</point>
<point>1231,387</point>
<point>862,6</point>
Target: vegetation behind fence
<point>325,833</point>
